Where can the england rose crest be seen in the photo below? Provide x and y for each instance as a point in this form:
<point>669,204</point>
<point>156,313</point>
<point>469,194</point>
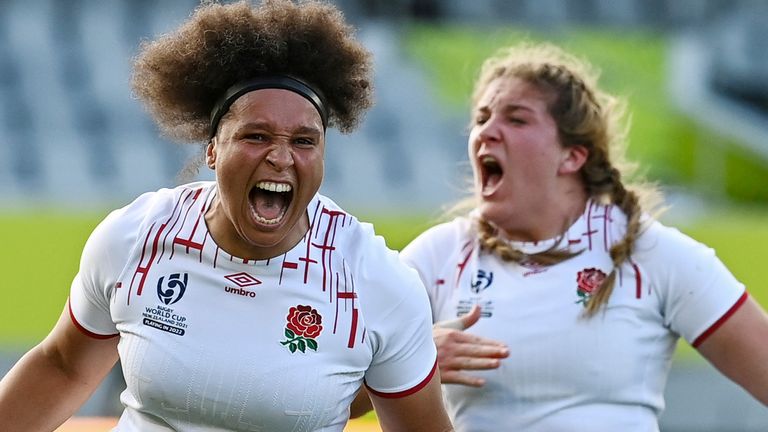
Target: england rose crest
<point>304,325</point>
<point>588,282</point>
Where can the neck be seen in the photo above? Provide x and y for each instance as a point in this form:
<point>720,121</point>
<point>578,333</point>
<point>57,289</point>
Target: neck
<point>551,220</point>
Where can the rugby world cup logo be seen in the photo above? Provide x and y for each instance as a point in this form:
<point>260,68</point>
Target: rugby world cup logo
<point>170,290</point>
<point>482,281</point>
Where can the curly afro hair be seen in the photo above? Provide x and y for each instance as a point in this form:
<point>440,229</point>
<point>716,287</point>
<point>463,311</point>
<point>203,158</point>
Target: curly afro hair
<point>181,75</point>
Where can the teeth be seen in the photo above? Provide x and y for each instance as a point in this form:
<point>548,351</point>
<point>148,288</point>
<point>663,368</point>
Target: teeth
<point>268,221</point>
<point>487,159</point>
<point>274,187</point>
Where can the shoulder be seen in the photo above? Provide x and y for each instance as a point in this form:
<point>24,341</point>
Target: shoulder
<point>354,238</point>
<point>380,278</point>
<point>124,225</point>
<point>676,262</point>
<point>664,244</point>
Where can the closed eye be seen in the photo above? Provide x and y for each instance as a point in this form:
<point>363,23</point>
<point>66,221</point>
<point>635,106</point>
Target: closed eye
<point>304,141</point>
<point>480,119</point>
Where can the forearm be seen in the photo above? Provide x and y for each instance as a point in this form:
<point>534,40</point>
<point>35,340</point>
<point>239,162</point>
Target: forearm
<point>39,395</point>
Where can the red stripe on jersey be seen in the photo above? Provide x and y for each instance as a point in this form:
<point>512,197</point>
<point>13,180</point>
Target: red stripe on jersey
<point>336,316</point>
<point>175,218</point>
<point>84,330</point>
<point>590,231</point>
<point>306,259</point>
<point>188,243</point>
<point>327,245</point>
<point>353,329</point>
<point>145,270</point>
<point>408,392</point>
<point>708,332</point>
<point>286,265</point>
<point>606,222</point>
<point>346,295</point>
<point>463,264</point>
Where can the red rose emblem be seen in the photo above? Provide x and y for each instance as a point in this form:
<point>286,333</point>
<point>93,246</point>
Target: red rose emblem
<point>304,325</point>
<point>305,321</point>
<point>589,281</point>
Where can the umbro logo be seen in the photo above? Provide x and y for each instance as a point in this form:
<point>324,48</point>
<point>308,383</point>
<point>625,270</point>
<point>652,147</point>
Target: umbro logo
<point>242,279</point>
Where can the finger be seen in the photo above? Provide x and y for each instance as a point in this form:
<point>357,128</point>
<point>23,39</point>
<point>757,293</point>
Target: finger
<point>463,322</point>
<point>472,317</point>
<point>493,350</point>
<point>470,363</point>
<point>444,336</point>
<point>455,377</point>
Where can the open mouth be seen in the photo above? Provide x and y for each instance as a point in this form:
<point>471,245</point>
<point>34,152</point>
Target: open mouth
<point>270,201</point>
<point>490,173</point>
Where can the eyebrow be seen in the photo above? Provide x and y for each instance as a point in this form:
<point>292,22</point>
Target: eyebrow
<point>516,107</point>
<point>301,130</point>
<point>308,130</point>
<point>507,108</point>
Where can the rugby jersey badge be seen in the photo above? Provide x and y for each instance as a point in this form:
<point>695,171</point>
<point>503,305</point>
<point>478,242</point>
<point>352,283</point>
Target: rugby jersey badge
<point>303,327</point>
<point>588,282</point>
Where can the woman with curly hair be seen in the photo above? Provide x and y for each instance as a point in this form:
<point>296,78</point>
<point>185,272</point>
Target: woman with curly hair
<point>250,302</point>
<point>571,298</point>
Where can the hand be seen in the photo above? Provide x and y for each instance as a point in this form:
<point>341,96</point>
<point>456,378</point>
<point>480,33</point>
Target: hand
<point>458,351</point>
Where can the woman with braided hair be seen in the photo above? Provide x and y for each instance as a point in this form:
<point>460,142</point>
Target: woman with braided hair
<point>570,296</point>
<point>252,302</point>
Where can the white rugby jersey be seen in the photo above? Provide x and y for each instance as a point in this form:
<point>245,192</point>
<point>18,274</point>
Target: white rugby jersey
<point>566,372</point>
<point>213,342</point>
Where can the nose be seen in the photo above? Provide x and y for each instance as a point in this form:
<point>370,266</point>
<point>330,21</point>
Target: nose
<point>280,157</point>
<point>489,131</point>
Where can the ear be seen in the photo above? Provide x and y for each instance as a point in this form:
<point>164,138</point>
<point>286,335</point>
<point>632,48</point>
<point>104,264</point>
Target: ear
<point>210,154</point>
<point>574,158</point>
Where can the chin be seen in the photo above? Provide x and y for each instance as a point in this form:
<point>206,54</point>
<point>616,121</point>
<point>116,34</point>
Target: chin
<point>494,213</point>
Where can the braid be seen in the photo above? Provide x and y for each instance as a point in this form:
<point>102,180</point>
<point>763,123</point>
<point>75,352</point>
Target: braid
<point>490,242</point>
<point>629,202</point>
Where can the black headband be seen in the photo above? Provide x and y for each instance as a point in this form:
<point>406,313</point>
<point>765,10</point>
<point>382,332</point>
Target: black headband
<point>267,82</point>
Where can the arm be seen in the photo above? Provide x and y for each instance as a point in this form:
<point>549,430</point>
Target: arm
<point>55,378</point>
<point>361,405</point>
<point>422,411</point>
<point>458,351</point>
<point>739,349</point>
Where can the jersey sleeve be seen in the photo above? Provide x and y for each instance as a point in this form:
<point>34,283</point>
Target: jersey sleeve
<point>102,260</point>
<point>699,293</point>
<point>397,321</point>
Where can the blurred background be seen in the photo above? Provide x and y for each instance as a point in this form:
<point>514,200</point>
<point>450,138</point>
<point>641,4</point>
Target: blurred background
<point>75,144</point>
